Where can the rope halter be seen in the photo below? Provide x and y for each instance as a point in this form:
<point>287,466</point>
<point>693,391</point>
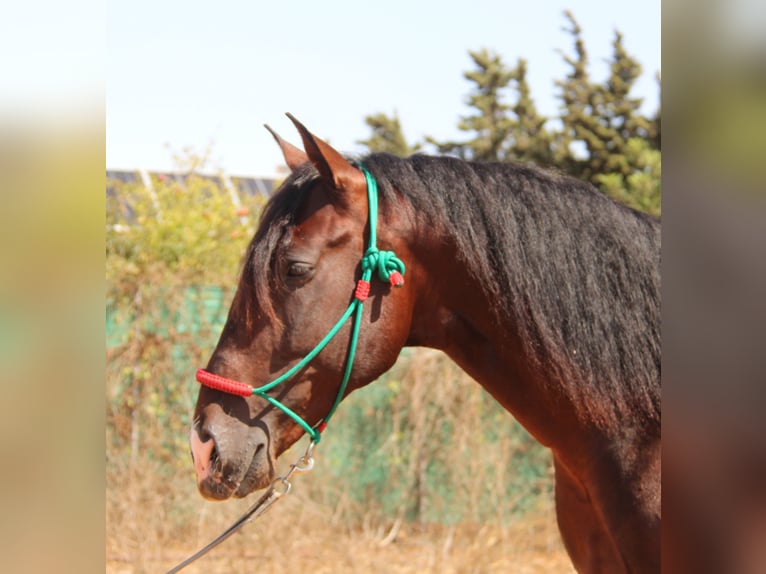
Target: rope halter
<point>389,269</point>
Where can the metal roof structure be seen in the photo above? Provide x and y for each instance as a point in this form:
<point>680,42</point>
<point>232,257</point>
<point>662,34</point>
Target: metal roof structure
<point>237,187</point>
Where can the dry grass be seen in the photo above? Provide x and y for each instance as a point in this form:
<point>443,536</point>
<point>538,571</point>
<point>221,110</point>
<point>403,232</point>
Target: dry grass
<point>155,517</point>
<point>299,535</point>
<point>342,517</point>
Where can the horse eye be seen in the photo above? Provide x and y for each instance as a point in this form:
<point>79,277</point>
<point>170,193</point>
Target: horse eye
<point>296,269</point>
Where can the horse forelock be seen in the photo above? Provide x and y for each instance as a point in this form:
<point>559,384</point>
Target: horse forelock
<point>259,279</point>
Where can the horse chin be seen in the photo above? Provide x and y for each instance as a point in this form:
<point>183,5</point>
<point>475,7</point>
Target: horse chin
<point>219,488</point>
<point>215,491</point>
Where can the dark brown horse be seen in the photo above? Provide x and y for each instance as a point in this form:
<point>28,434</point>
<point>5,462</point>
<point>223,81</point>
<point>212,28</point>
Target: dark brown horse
<point>538,286</point>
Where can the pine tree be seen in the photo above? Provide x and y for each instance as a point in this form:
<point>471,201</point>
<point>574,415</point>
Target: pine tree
<point>490,123</point>
<point>604,138</point>
<point>620,112</point>
<point>387,136</point>
<point>579,98</point>
<point>530,140</point>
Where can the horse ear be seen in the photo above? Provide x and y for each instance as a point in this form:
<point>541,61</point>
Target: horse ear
<point>293,156</point>
<point>333,168</point>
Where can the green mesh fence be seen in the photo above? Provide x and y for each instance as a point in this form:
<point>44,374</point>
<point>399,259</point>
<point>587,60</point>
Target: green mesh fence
<point>422,443</point>
<point>447,455</point>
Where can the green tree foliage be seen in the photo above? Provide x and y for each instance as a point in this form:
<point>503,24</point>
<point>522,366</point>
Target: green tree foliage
<point>490,124</point>
<point>640,188</point>
<point>387,136</point>
<point>185,229</point>
<point>600,134</point>
<point>505,124</point>
<point>172,255</point>
<point>603,117</point>
<point>576,94</point>
<point>530,140</point>
<point>605,120</point>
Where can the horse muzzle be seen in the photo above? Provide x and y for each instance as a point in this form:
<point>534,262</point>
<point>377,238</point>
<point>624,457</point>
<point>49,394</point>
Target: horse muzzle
<point>230,458</point>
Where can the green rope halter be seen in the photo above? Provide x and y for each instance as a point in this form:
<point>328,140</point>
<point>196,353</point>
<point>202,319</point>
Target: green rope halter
<point>389,268</point>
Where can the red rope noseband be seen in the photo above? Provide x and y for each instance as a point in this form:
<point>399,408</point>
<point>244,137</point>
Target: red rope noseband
<point>223,384</point>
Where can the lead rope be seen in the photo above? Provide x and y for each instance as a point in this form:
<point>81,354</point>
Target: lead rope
<point>279,487</point>
<point>389,268</point>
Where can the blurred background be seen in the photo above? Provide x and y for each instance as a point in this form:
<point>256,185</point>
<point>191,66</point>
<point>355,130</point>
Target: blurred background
<point>421,471</point>
<point>97,475</point>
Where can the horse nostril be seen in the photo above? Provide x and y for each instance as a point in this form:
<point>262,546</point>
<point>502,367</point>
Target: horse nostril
<point>204,452</point>
<point>215,460</point>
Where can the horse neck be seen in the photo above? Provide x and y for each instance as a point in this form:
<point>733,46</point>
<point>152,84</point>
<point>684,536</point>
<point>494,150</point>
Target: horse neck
<point>452,313</point>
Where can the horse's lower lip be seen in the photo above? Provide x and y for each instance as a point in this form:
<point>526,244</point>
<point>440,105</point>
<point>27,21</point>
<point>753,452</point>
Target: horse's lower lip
<point>215,490</point>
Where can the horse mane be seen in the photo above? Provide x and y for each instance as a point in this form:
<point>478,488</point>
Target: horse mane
<point>576,273</point>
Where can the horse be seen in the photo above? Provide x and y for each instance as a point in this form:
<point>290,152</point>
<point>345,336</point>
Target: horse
<point>541,288</point>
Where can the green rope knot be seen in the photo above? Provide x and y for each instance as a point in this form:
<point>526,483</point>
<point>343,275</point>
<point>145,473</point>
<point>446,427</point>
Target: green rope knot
<point>386,263</point>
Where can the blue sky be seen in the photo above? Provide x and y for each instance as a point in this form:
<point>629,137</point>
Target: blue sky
<point>201,73</point>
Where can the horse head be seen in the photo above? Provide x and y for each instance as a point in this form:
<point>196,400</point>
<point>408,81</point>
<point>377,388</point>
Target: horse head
<point>299,280</point>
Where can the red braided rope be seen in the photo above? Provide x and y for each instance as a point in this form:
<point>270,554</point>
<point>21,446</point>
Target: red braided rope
<point>362,290</point>
<point>396,279</point>
<point>222,384</point>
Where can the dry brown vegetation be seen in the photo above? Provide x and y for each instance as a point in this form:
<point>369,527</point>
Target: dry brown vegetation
<point>155,517</point>
<point>299,535</point>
